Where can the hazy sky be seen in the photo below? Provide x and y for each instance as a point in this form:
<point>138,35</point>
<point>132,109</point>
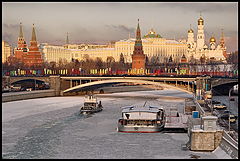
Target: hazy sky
<point>106,21</point>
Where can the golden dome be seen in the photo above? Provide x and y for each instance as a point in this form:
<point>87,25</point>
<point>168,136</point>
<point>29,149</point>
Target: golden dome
<point>212,39</point>
<point>200,21</point>
<point>190,31</point>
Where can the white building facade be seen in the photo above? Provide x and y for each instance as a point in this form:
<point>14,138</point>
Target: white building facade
<point>197,49</point>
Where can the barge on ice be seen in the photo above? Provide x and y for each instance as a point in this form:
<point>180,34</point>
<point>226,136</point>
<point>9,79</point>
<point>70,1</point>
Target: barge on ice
<point>91,105</point>
<point>142,119</point>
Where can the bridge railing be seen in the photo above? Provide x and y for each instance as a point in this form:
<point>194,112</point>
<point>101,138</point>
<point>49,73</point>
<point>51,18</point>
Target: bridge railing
<point>229,145</point>
<point>198,106</point>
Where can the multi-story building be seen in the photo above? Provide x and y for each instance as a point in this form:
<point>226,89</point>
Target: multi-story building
<point>6,51</point>
<point>102,53</point>
<point>198,49</point>
<point>55,53</point>
<point>153,46</point>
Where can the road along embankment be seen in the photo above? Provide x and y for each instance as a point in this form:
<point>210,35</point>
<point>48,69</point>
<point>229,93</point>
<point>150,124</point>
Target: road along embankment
<point>15,96</point>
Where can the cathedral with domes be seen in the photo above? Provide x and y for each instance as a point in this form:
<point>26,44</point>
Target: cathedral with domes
<point>201,49</point>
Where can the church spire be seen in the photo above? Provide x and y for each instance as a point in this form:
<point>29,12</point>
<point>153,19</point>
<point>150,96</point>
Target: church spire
<point>33,34</point>
<point>222,43</point>
<point>138,32</point>
<point>67,40</point>
<point>21,31</point>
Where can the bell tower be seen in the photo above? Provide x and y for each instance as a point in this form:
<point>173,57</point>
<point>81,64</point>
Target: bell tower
<point>200,34</point>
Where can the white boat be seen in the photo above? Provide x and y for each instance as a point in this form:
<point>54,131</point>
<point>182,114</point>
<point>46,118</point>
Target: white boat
<point>142,119</point>
<point>91,105</point>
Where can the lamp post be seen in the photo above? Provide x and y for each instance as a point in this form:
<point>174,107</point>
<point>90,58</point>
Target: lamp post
<point>229,95</point>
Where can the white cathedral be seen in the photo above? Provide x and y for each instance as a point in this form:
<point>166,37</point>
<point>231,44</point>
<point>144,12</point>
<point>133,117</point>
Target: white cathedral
<point>198,49</point>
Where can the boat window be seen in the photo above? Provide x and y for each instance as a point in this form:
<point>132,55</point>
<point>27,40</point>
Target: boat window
<point>158,115</point>
<point>89,104</point>
<point>127,115</point>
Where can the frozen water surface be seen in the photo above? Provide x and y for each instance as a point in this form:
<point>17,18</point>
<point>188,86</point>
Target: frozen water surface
<point>52,128</point>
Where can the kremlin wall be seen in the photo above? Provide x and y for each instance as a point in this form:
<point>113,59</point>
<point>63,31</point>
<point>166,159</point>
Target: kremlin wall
<point>134,50</point>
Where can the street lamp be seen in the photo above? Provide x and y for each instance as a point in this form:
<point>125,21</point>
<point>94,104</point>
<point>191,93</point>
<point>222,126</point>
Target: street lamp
<point>229,96</point>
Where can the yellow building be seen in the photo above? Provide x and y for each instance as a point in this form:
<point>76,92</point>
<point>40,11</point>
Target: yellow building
<point>55,53</point>
<point>6,51</point>
<point>102,53</point>
<point>153,46</point>
<point>84,46</point>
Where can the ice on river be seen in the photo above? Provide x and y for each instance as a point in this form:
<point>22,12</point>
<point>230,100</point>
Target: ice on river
<point>52,128</point>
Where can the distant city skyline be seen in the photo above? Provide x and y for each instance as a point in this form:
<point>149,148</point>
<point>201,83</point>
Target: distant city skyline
<point>103,22</point>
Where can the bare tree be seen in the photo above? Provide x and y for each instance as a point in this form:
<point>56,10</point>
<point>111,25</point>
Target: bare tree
<point>99,63</point>
<point>110,61</point>
<point>121,60</point>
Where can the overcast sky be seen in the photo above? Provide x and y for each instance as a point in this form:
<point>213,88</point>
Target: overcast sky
<point>103,22</point>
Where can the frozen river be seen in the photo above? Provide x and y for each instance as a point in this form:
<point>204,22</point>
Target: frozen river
<point>52,128</point>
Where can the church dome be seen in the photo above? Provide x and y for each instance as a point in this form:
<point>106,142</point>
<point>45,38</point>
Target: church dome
<point>212,39</point>
<point>200,21</point>
<point>190,31</point>
<point>152,34</point>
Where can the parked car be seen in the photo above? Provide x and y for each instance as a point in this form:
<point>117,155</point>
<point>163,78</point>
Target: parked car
<point>231,99</point>
<point>232,118</point>
<point>29,89</point>
<point>220,106</point>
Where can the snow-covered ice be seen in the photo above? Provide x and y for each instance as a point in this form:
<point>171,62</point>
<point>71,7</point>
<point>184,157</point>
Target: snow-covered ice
<point>52,128</point>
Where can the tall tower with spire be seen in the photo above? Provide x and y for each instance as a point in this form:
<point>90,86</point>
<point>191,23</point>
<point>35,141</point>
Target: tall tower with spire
<point>200,34</point>
<point>34,56</point>
<point>222,45</point>
<point>138,57</point>
<point>21,49</point>
<point>67,40</point>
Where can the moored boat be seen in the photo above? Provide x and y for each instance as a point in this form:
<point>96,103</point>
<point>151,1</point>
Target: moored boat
<point>142,119</point>
<point>91,105</point>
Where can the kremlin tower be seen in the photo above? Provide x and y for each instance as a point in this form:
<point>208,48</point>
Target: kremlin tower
<point>138,57</point>
<point>29,56</point>
<point>34,56</point>
<point>222,45</point>
<point>21,49</point>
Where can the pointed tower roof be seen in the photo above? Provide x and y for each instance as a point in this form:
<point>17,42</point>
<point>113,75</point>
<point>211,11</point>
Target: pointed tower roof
<point>138,34</point>
<point>33,34</point>
<point>21,31</point>
<point>67,40</point>
<point>222,43</point>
